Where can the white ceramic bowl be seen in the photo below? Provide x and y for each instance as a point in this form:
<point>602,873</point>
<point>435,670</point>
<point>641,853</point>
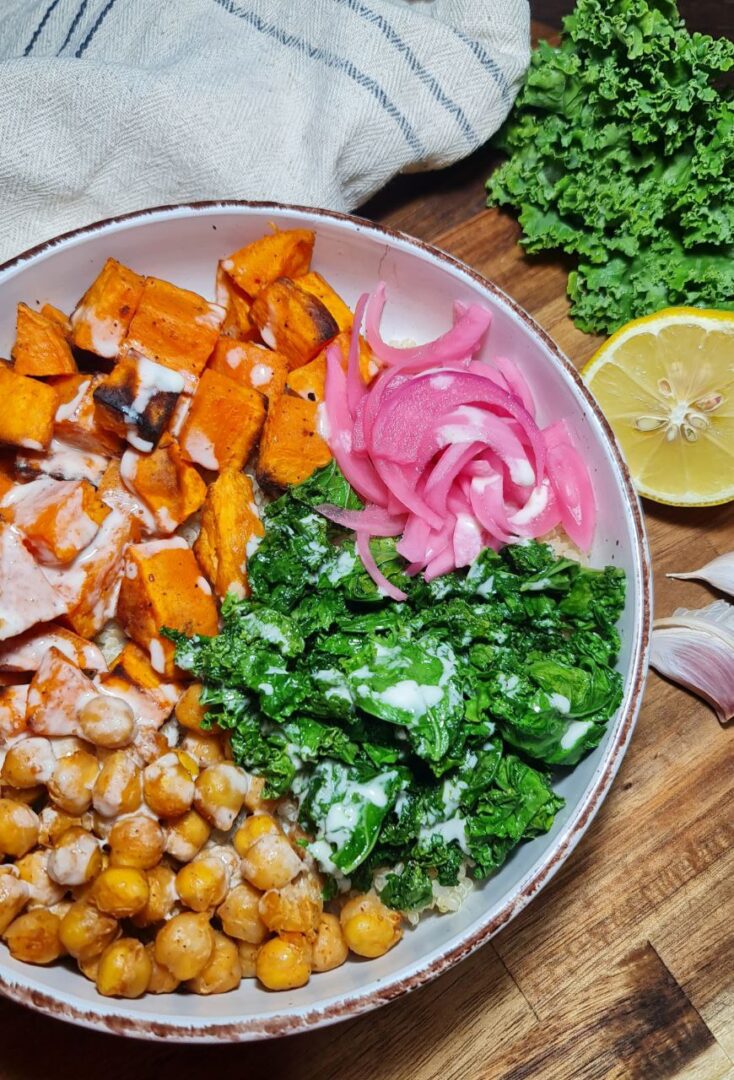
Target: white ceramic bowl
<point>183,244</point>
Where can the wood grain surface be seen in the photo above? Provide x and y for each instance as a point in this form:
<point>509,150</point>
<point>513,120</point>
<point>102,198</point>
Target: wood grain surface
<point>624,966</point>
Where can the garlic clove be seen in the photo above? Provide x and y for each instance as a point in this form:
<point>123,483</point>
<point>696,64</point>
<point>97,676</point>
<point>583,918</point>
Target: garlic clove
<point>719,573</point>
<point>696,650</point>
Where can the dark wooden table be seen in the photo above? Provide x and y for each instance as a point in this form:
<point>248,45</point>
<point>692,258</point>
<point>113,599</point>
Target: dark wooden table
<point>624,966</point>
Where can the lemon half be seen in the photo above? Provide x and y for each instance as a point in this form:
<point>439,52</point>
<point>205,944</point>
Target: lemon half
<point>666,385</point>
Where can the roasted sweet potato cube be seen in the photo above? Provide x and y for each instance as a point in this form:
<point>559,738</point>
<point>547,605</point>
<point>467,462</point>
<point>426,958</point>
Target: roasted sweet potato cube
<point>78,417</point>
<point>156,694</point>
<point>61,461</point>
<point>320,288</point>
<point>308,381</point>
<point>230,522</point>
<point>102,316</point>
<point>174,327</point>
<point>27,596</point>
<point>283,254</point>
<point>58,518</point>
<point>27,409</point>
<point>151,706</point>
<point>40,347</point>
<point>25,652</point>
<point>136,400</point>
<point>91,583</point>
<point>57,692</point>
<point>293,321</point>
<point>236,304</point>
<point>223,423</point>
<point>290,447</point>
<point>57,316</point>
<point>13,704</point>
<point>252,365</point>
<point>114,493</point>
<point>163,586</point>
<point>7,473</point>
<point>170,487</point>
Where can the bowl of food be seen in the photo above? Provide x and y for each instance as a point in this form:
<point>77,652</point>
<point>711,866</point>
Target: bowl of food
<point>319,648</point>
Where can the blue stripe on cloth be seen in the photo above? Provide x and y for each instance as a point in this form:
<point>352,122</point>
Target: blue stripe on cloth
<point>39,29</point>
<point>100,19</point>
<point>489,63</point>
<point>330,60</point>
<point>75,23</point>
<point>416,67</point>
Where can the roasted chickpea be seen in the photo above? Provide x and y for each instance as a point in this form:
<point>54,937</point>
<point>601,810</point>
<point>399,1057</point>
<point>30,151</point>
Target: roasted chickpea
<point>161,980</point>
<point>189,711</point>
<point>19,828</point>
<point>184,945</point>
<point>162,896</point>
<point>34,937</point>
<point>107,721</point>
<point>251,829</point>
<point>329,949</point>
<point>297,906</point>
<point>271,862</point>
<point>168,787</point>
<point>85,931</point>
<point>54,823</point>
<point>73,780</point>
<point>149,744</point>
<point>254,800</point>
<point>28,763</point>
<point>14,895</point>
<point>136,841</point>
<point>204,749</point>
<point>89,968</point>
<point>223,972</point>
<point>220,794</point>
<point>185,836</point>
<point>240,915</point>
<point>82,892</point>
<point>28,795</point>
<point>121,891</point>
<point>229,859</point>
<point>202,884</point>
<point>76,858</point>
<point>33,869</point>
<point>119,787</point>
<point>370,929</point>
<point>248,959</point>
<point>284,962</point>
<point>124,969</point>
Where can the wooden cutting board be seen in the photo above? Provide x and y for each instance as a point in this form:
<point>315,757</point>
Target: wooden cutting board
<point>624,966</point>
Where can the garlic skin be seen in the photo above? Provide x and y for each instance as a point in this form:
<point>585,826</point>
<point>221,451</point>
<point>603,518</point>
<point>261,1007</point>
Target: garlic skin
<point>719,573</point>
<point>696,650</point>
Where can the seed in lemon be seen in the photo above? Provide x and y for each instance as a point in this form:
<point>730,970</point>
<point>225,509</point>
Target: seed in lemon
<point>666,385</point>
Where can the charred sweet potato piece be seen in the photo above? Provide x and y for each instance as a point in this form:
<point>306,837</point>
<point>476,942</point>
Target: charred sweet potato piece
<point>223,423</point>
<point>170,487</point>
<point>282,254</point>
<point>27,596</point>
<point>25,652</point>
<point>13,702</point>
<point>40,347</point>
<point>57,692</point>
<point>102,316</point>
<point>293,321</point>
<point>57,316</point>
<point>58,518</point>
<point>290,447</point>
<point>91,583</point>
<point>229,522</point>
<point>78,417</point>
<point>308,381</point>
<point>173,327</point>
<point>162,586</point>
<point>252,365</point>
<point>63,462</point>
<point>27,409</point>
<point>236,304</point>
<point>320,288</point>
<point>136,400</point>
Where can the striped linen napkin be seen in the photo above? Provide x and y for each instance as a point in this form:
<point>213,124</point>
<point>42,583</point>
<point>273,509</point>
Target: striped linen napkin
<point>115,105</point>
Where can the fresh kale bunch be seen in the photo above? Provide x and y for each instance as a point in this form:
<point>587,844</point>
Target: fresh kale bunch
<point>621,152</point>
<point>416,735</point>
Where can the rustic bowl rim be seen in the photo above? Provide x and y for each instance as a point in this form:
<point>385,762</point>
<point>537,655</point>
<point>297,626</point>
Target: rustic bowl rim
<point>103,1017</point>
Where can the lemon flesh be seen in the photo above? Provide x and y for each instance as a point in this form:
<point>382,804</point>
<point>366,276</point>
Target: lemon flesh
<point>666,385</point>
